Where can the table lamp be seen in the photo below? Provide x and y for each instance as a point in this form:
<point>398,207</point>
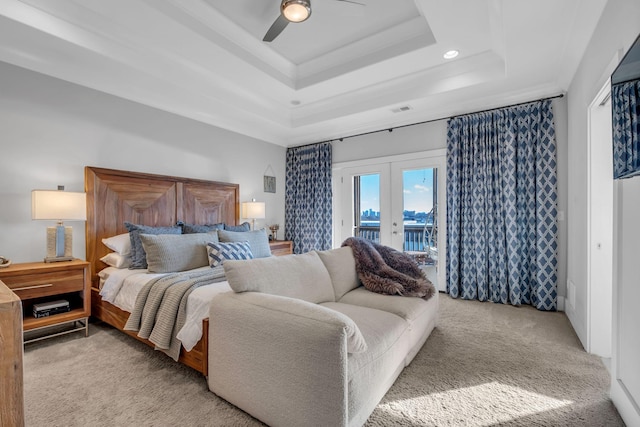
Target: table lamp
<point>58,205</point>
<point>253,210</point>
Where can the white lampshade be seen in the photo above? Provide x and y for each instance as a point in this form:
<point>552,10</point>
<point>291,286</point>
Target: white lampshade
<point>58,205</point>
<point>253,210</point>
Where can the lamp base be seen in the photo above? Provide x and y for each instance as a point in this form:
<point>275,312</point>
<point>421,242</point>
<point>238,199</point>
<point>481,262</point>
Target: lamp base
<point>59,243</point>
<point>58,258</point>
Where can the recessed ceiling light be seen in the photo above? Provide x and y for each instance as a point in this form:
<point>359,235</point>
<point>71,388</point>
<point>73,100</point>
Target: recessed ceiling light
<point>451,54</point>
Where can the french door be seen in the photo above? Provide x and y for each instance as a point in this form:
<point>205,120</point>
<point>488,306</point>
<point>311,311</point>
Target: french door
<point>397,201</point>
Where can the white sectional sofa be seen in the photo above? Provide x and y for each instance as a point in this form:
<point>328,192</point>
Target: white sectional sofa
<point>300,343</point>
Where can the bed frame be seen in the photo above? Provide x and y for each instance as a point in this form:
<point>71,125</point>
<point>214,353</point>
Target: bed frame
<point>115,196</point>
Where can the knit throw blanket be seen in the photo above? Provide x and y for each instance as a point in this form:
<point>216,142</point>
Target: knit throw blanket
<point>160,309</point>
<point>384,270</point>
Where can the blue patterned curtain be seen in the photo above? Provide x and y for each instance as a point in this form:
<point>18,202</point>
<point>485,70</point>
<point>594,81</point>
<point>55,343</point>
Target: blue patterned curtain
<point>307,216</point>
<point>625,99</point>
<point>501,206</point>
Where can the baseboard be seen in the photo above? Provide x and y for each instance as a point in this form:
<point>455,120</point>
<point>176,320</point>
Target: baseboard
<point>627,408</point>
<point>561,300</point>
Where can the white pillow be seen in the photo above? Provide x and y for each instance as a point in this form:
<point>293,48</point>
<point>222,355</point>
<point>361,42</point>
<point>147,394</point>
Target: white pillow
<point>120,244</point>
<point>116,260</point>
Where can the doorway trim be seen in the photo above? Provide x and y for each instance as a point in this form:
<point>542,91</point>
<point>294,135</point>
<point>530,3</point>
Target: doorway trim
<point>599,244</point>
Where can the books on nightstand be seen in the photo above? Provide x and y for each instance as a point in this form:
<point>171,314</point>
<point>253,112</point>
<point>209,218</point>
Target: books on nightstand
<point>50,308</point>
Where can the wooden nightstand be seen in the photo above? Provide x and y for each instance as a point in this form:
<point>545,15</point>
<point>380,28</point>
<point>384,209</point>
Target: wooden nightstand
<point>281,247</point>
<point>39,282</point>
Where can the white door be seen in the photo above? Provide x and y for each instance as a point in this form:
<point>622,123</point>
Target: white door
<point>398,202</point>
<point>417,213</point>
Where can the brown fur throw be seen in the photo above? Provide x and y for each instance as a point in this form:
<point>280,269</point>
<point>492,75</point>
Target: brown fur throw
<point>384,270</point>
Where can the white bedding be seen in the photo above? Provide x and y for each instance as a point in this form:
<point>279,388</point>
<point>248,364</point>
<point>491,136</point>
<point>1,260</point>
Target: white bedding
<point>120,287</point>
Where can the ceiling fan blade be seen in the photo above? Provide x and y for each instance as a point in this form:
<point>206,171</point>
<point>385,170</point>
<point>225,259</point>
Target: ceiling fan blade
<point>347,8</point>
<point>353,2</point>
<point>276,28</point>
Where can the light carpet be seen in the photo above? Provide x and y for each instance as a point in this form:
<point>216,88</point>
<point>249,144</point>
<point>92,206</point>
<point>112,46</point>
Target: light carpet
<point>484,365</point>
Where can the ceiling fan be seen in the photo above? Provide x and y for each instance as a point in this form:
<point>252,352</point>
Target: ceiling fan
<point>293,11</point>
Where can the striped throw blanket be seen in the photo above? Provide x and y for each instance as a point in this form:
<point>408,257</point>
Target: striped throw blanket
<point>160,309</point>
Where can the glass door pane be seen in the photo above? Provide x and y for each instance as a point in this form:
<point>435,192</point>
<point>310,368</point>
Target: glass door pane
<point>366,209</point>
<point>419,212</point>
<point>364,203</point>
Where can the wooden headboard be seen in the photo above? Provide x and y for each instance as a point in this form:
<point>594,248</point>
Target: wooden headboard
<point>115,196</point>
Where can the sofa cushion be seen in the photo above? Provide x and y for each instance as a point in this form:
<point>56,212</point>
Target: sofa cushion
<point>342,269</point>
<point>409,308</point>
<point>372,372</point>
<point>421,315</point>
<point>295,311</point>
<point>295,276</point>
<point>383,331</point>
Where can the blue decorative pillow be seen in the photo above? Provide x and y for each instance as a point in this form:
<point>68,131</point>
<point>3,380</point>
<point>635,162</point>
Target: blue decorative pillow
<point>245,226</point>
<point>258,240</point>
<point>197,228</point>
<point>138,255</point>
<point>218,252</point>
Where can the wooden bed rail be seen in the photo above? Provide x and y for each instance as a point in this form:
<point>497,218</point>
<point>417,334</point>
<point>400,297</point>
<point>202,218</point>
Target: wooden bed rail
<point>11,390</point>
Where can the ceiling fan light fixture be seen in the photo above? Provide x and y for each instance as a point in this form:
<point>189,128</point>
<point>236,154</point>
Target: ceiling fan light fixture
<point>296,10</point>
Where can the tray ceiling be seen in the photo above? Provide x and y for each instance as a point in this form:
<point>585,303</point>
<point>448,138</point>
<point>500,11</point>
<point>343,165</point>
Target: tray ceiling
<point>348,69</point>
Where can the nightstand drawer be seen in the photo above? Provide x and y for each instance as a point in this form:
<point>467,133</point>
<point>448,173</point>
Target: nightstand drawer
<point>281,247</point>
<point>44,284</point>
<point>40,282</point>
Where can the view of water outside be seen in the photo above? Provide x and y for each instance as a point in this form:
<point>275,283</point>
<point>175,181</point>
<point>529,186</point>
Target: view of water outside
<point>418,197</point>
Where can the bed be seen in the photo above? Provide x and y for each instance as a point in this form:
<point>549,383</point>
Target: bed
<point>115,197</point>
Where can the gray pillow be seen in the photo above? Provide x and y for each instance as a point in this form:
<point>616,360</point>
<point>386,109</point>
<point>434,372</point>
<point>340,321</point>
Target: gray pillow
<point>138,255</point>
<point>168,253</point>
<point>245,226</point>
<point>258,240</point>
<point>197,228</point>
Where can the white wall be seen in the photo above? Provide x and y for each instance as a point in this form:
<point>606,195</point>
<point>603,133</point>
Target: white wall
<point>616,30</point>
<point>433,135</point>
<point>51,130</point>
<point>410,139</point>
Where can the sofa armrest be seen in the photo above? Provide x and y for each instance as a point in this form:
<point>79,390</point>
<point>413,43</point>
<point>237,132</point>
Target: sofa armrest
<point>280,359</point>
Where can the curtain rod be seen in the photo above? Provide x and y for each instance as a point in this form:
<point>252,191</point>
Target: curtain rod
<point>428,121</point>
